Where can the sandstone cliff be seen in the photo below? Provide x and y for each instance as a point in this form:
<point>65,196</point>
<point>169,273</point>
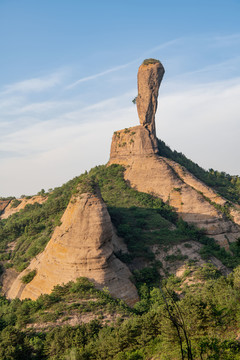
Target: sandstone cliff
<point>136,149</point>
<point>3,205</point>
<point>81,246</point>
<point>9,209</point>
<point>150,75</point>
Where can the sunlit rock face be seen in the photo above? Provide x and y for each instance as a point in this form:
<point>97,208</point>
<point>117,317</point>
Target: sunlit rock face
<point>146,171</point>
<point>81,246</point>
<point>150,75</point>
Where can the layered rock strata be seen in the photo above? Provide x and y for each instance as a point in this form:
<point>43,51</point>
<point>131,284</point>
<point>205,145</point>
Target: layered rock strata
<point>146,171</point>
<point>150,75</point>
<point>82,246</point>
<point>134,141</point>
<point>3,205</point>
<point>9,209</point>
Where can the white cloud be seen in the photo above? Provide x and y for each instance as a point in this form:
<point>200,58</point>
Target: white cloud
<point>203,123</point>
<point>33,85</point>
<point>226,40</point>
<point>120,67</point>
<point>95,76</point>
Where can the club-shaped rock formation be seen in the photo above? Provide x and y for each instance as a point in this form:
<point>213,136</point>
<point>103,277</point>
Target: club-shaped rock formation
<point>150,75</point>
<point>136,148</point>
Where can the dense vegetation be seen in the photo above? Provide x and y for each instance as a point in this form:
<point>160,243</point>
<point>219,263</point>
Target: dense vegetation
<point>163,325</point>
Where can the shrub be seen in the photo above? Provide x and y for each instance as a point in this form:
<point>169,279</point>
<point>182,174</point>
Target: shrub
<point>150,61</point>
<point>28,278</point>
<point>15,203</point>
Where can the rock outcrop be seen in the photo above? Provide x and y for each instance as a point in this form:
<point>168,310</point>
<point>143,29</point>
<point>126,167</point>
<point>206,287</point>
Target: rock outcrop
<point>136,149</point>
<point>3,205</point>
<point>82,246</point>
<point>134,141</point>
<point>141,140</point>
<point>9,209</point>
<point>150,75</point>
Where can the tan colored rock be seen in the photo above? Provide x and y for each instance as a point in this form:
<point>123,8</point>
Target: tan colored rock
<point>235,213</point>
<point>150,75</point>
<point>9,210</point>
<point>134,141</point>
<point>176,185</point>
<point>7,279</point>
<point>190,250</point>
<point>3,205</point>
<point>81,246</point>
<point>136,149</point>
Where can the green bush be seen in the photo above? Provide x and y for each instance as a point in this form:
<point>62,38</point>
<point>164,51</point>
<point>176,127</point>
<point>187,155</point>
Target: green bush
<point>150,61</point>
<point>15,203</point>
<point>29,277</point>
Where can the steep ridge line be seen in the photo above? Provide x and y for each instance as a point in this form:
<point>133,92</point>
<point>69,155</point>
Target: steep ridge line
<point>148,172</point>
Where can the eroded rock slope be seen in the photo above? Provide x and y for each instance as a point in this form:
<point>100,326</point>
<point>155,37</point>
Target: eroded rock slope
<point>9,209</point>
<point>135,148</point>
<point>81,246</point>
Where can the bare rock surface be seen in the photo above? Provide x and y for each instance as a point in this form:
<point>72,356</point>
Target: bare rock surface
<point>192,199</point>
<point>134,141</point>
<point>3,205</point>
<point>9,209</point>
<point>182,254</point>
<point>81,246</point>
<point>136,149</point>
<point>150,75</point>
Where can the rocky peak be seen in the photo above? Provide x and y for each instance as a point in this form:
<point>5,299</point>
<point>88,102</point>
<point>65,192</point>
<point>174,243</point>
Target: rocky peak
<point>141,140</point>
<point>136,148</point>
<point>150,75</point>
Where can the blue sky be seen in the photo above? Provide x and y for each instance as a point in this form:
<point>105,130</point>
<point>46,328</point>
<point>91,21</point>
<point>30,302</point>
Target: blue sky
<point>68,75</point>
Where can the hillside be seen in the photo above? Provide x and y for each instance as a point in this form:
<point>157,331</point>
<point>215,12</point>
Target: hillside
<point>136,259</point>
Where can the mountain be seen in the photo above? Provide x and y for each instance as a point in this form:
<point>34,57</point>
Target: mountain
<point>151,239</point>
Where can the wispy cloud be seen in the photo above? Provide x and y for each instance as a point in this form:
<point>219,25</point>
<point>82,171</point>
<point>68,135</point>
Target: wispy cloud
<point>33,85</point>
<point>161,47</point>
<point>95,76</point>
<point>120,67</point>
<point>226,40</point>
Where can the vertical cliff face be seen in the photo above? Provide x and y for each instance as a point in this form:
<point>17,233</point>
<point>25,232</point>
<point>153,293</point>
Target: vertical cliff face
<point>141,140</point>
<point>132,142</point>
<point>136,148</point>
<point>81,246</point>
<point>150,75</point>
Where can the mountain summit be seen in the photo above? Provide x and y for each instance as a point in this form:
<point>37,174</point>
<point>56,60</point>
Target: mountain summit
<point>136,148</point>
